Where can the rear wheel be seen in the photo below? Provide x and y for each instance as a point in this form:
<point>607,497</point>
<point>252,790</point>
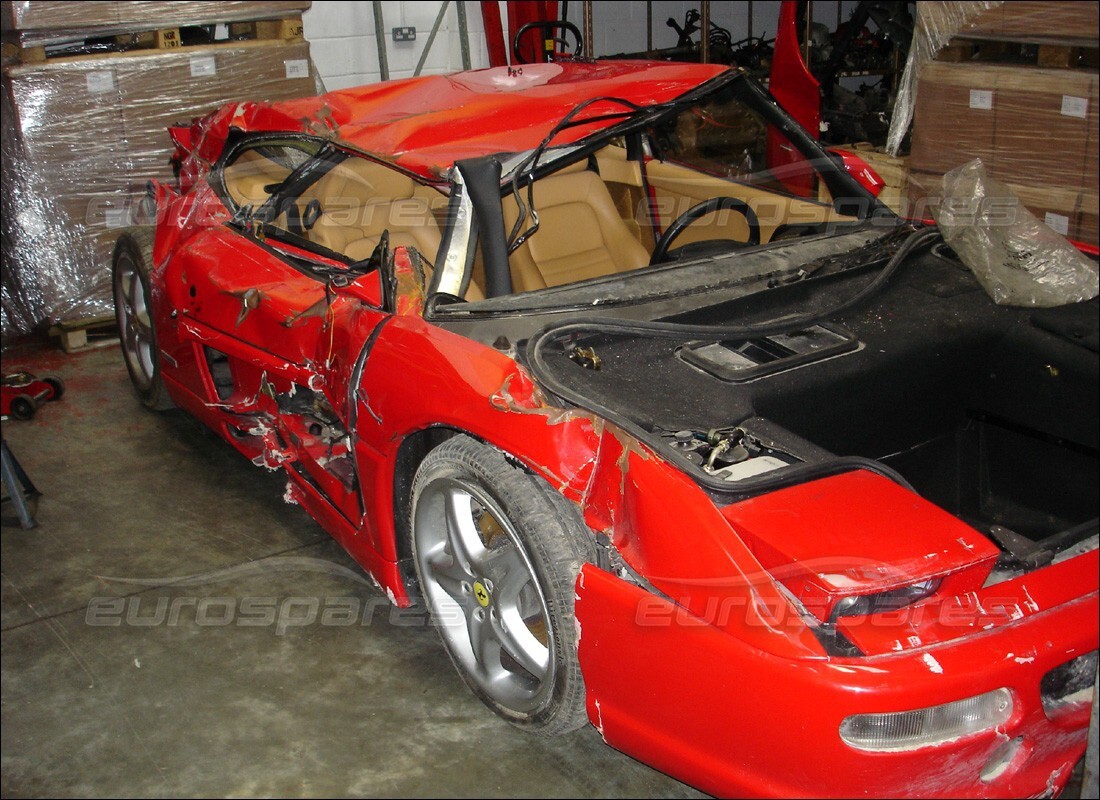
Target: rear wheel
<point>134,315</point>
<point>497,553</point>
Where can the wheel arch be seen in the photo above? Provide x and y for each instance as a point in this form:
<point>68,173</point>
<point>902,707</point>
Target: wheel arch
<point>490,399</point>
<point>411,452</point>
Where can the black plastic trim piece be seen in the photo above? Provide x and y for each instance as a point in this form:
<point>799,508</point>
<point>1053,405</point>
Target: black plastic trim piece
<point>482,177</point>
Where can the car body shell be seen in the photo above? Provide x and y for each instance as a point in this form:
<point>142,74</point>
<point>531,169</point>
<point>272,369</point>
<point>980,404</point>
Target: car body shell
<point>698,664</point>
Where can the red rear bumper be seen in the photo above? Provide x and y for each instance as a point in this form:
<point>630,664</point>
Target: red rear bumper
<point>699,704</point>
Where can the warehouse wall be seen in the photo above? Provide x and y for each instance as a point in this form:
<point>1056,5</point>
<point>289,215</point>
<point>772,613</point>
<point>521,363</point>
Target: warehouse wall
<point>345,50</point>
<point>346,53</point>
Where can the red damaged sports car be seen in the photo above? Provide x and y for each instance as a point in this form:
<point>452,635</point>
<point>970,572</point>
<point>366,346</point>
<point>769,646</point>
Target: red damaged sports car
<point>670,424</point>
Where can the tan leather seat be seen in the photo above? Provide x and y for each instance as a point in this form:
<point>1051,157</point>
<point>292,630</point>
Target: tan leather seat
<point>580,236</point>
<point>360,199</point>
<point>248,177</point>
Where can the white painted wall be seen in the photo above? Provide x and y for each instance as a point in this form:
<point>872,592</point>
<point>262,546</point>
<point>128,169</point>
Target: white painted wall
<point>345,50</point>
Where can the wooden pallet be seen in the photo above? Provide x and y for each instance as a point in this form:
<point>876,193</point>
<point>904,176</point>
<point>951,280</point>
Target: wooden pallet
<point>86,334</point>
<point>288,29</point>
<point>1049,53</point>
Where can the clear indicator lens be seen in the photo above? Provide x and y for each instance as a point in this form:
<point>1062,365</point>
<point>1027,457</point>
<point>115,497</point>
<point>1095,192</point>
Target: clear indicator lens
<point>908,730</point>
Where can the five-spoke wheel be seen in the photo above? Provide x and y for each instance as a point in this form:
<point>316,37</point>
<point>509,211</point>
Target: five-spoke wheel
<point>497,552</point>
<point>134,315</point>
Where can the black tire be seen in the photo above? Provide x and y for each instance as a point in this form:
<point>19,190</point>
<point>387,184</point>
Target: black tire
<point>532,543</point>
<point>23,407</point>
<point>130,271</point>
<point>57,386</point>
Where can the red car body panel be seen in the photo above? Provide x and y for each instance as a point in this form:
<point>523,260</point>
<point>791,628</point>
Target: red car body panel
<point>861,171</point>
<point>973,611</point>
<point>798,91</point>
<point>423,125</point>
<point>790,80</point>
<point>746,723</point>
<point>802,531</point>
<point>707,670</point>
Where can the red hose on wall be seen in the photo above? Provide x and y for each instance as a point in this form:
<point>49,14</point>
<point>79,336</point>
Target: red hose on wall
<point>520,12</point>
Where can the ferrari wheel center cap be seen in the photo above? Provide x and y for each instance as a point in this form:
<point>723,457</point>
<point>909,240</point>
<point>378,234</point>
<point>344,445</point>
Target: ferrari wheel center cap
<point>481,594</point>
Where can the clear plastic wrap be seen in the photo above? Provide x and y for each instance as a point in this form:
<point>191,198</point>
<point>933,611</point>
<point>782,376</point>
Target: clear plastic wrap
<point>1019,260</point>
<point>38,21</point>
<point>937,22</point>
<point>1065,22</point>
<point>81,139</point>
<point>1033,128</point>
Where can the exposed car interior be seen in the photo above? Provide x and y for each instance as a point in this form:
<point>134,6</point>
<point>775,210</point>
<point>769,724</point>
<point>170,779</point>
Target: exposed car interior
<point>610,213</point>
<point>596,219</point>
<point>360,199</point>
<point>255,171</point>
<point>982,408</point>
<point>347,208</point>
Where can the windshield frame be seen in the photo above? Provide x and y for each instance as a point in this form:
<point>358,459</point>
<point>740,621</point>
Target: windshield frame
<point>526,167</point>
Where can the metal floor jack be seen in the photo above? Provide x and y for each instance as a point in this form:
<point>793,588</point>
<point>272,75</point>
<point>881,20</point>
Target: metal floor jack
<point>18,486</point>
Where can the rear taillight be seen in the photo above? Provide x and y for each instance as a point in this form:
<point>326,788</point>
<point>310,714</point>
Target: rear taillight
<point>863,604</point>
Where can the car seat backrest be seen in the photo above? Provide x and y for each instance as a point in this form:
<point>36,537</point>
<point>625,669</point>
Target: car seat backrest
<point>360,199</point>
<point>249,176</point>
<point>580,236</point>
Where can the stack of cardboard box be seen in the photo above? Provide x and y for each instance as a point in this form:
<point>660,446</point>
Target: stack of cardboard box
<point>1024,20</point>
<point>1034,128</point>
<point>30,23</point>
<point>83,134</point>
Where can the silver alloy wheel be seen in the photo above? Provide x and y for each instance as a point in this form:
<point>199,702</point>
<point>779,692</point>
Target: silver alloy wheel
<point>482,590</point>
<point>135,325</point>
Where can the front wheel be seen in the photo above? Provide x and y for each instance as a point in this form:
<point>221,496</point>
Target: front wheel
<point>497,552</point>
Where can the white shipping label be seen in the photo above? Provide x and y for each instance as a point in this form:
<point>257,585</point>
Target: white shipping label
<point>1057,223</point>
<point>981,98</point>
<point>203,66</point>
<point>102,80</point>
<point>1075,106</point>
<point>297,68</point>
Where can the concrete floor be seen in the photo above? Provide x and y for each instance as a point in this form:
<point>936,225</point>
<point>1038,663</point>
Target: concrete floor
<point>232,685</point>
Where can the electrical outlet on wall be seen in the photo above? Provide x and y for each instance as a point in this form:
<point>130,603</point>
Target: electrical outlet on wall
<point>404,34</point>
